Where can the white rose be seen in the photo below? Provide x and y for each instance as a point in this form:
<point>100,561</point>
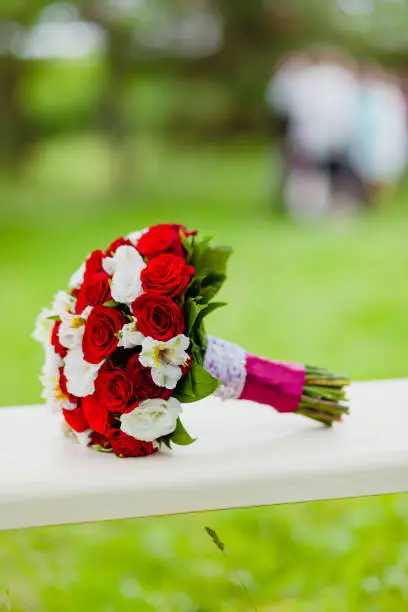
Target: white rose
<point>151,419</point>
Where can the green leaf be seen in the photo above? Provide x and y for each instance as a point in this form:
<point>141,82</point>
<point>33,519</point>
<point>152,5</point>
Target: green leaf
<point>211,286</point>
<point>204,383</point>
<point>213,535</point>
<point>197,349</point>
<point>188,244</point>
<point>208,310</point>
<point>111,303</point>
<point>212,260</point>
<point>199,248</point>
<point>101,449</point>
<point>192,311</point>
<point>196,384</point>
<point>54,318</point>
<point>180,436</point>
<point>184,390</point>
<point>165,440</point>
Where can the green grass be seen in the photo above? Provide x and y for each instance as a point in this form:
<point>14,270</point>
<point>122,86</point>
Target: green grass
<point>332,295</point>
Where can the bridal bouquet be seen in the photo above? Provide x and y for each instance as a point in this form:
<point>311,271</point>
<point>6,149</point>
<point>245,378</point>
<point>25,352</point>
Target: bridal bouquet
<point>126,345</point>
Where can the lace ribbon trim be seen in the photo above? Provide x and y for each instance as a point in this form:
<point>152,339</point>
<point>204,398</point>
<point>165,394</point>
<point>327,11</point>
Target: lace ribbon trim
<point>227,362</point>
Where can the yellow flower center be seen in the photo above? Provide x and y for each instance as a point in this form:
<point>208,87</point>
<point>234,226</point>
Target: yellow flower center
<point>77,322</point>
<point>59,395</point>
<point>156,356</point>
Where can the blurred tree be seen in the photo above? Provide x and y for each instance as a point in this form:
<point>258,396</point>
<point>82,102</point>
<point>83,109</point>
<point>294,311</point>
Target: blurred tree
<point>211,59</point>
<point>17,130</point>
<point>118,22</point>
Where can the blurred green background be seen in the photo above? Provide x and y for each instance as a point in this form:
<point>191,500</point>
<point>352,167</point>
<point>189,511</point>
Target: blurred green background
<point>122,114</point>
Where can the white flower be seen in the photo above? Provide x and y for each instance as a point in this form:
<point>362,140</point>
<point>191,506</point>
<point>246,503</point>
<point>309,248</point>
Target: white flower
<point>55,399</point>
<point>43,326</point>
<point>72,328</point>
<point>77,278</point>
<point>63,303</point>
<point>130,336</point>
<point>52,362</point>
<point>80,374</point>
<point>125,268</point>
<point>135,236</point>
<point>151,419</point>
<point>165,359</point>
<point>52,393</point>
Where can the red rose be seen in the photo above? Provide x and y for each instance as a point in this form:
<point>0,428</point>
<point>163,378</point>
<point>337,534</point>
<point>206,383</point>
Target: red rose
<point>113,247</point>
<point>126,446</point>
<point>166,274</point>
<point>93,264</point>
<point>55,341</point>
<point>158,316</point>
<point>142,383</point>
<point>76,419</point>
<point>95,414</point>
<point>113,389</point>
<point>94,290</point>
<point>164,238</point>
<point>100,339</point>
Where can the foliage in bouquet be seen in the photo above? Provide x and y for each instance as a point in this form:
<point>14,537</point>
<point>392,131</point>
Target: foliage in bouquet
<point>126,344</point>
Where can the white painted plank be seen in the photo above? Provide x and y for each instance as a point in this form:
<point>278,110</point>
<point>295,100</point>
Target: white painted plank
<point>245,455</point>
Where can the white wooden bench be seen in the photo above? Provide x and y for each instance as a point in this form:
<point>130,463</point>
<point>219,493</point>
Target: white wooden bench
<point>245,455</point>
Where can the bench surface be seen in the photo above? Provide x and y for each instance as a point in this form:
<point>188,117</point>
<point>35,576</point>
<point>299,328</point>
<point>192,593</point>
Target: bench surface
<point>245,455</point>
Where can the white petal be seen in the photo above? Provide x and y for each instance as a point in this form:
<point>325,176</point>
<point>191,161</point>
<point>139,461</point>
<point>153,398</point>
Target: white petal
<point>147,357</point>
<point>166,376</point>
<point>43,326</point>
<point>80,374</point>
<point>135,236</point>
<point>77,278</point>
<point>108,264</point>
<point>126,284</point>
<point>70,336</point>
<point>63,303</point>
<point>156,353</point>
<point>177,354</point>
<point>130,338</point>
<point>179,343</point>
<point>55,405</point>
<point>72,328</point>
<point>52,362</point>
<point>152,419</point>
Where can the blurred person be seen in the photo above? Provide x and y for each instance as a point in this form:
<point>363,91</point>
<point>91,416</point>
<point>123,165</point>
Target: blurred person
<point>323,123</point>
<point>315,96</point>
<point>379,145</point>
<point>281,90</point>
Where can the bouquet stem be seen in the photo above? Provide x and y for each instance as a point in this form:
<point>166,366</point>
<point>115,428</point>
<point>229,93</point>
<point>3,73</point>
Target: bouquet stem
<point>324,397</point>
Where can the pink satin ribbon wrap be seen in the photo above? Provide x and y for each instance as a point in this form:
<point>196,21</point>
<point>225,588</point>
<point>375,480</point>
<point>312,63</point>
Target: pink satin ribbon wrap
<point>275,383</point>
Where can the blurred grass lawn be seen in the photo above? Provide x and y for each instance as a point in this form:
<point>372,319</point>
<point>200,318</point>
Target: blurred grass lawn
<point>332,295</point>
